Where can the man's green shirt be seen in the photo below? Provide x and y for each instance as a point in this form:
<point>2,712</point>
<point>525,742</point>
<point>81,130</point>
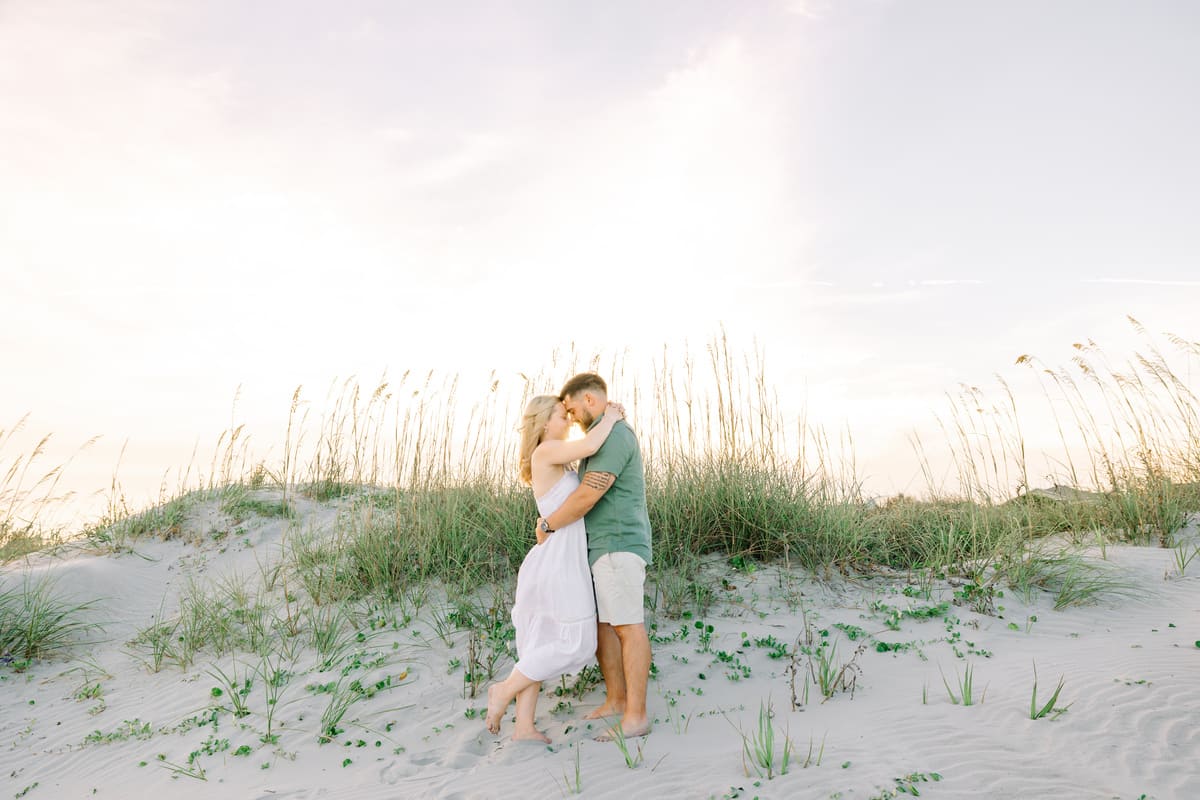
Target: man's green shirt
<point>618,522</point>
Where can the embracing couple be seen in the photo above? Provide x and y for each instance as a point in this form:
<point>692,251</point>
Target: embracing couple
<point>580,589</point>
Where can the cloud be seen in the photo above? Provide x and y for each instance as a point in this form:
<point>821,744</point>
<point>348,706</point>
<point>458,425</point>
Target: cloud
<point>809,9</point>
<point>787,284</point>
<point>470,154</point>
<point>362,31</point>
<point>1144,281</point>
<point>852,298</point>
<point>681,186</point>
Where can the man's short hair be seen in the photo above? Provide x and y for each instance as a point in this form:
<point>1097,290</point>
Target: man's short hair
<point>584,382</point>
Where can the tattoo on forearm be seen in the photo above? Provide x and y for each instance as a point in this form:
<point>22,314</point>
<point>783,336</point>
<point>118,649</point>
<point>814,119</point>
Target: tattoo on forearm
<point>600,481</point>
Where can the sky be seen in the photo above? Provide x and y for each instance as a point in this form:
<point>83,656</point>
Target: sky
<point>890,199</point>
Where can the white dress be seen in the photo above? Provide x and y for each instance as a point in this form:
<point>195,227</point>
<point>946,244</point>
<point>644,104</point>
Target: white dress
<point>555,608</point>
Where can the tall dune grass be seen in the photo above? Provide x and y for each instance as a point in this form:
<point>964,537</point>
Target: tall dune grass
<point>35,622</point>
<point>430,492</point>
<point>25,494</point>
<point>1130,432</point>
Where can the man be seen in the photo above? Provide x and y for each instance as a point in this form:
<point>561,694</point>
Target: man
<point>612,500</point>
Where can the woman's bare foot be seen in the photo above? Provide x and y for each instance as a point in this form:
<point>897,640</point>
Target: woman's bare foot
<point>495,712</point>
<point>607,710</point>
<point>530,735</point>
<point>631,732</point>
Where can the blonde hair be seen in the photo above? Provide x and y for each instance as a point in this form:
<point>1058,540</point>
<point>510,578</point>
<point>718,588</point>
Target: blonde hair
<point>533,425</point>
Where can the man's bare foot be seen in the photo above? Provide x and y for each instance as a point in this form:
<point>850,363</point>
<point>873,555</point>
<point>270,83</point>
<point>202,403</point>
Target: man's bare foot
<point>530,735</point>
<point>495,712</point>
<point>628,731</point>
<point>607,710</point>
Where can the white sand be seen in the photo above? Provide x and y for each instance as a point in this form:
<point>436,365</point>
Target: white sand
<point>1131,665</point>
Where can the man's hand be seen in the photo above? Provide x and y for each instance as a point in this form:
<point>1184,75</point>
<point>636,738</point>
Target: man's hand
<point>537,531</point>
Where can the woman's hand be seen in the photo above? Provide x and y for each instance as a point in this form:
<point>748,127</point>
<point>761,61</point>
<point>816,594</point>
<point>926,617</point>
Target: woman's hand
<point>616,409</point>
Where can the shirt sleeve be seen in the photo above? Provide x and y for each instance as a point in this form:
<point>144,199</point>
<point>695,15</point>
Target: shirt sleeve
<point>616,452</point>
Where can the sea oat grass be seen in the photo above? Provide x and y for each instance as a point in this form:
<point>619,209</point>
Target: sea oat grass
<point>631,751</point>
<point>1183,553</point>
<point>1073,579</point>
<point>239,503</point>
<point>759,750</point>
<point>120,527</point>
<point>461,535</point>
<point>233,687</point>
<point>15,544</point>
<point>221,619</point>
<point>35,623</point>
<point>572,782</point>
<point>466,535</point>
<point>424,497</point>
<point>1041,711</point>
<point>965,684</point>
<point>316,563</point>
<point>728,505</point>
<point>27,498</point>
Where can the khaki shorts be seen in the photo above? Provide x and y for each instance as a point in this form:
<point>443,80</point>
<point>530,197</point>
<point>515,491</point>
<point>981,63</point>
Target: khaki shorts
<point>620,580</point>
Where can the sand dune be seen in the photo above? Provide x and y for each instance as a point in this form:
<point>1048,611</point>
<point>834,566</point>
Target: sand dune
<point>100,722</point>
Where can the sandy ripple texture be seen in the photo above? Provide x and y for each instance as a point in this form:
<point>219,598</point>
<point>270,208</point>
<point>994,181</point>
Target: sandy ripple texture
<point>1130,662</point>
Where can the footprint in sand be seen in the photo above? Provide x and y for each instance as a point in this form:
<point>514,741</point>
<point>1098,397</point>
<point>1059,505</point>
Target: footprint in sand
<point>467,752</point>
<point>424,759</point>
<point>398,770</point>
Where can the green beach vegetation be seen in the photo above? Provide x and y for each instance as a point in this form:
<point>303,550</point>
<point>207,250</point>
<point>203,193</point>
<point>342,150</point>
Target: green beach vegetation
<point>427,495</point>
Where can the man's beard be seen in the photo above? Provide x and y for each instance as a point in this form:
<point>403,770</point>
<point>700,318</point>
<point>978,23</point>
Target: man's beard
<point>585,418</point>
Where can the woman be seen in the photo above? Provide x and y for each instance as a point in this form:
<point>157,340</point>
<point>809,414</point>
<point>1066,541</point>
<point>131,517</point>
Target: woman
<point>555,609</point>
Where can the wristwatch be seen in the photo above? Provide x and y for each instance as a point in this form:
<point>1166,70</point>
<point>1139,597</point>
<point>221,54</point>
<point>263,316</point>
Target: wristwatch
<point>544,526</point>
